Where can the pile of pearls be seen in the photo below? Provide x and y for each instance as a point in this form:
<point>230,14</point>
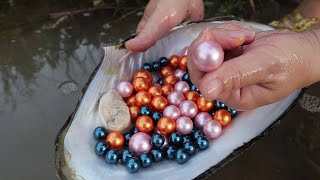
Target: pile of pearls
<point>172,120</point>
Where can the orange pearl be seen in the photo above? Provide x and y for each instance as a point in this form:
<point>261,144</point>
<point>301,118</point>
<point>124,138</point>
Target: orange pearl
<point>166,71</point>
<point>174,61</point>
<point>145,74</point>
<point>166,89</point>
<point>115,140</point>
<point>204,105</point>
<point>155,90</point>
<point>131,100</point>
<point>183,63</point>
<point>170,80</point>
<point>223,117</point>
<point>159,103</point>
<point>143,98</point>
<point>134,112</point>
<point>140,84</point>
<point>166,125</point>
<point>144,124</point>
<point>192,96</point>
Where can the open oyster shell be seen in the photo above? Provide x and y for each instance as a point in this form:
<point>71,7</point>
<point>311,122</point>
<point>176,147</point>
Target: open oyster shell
<point>75,155</point>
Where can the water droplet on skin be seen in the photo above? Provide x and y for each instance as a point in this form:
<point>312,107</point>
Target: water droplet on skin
<point>68,87</point>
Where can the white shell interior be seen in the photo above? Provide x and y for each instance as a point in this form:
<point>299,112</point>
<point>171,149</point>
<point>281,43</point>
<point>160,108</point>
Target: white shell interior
<point>79,143</point>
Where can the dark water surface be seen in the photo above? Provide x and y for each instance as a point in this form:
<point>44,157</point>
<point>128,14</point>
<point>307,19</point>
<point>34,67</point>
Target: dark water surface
<point>42,73</point>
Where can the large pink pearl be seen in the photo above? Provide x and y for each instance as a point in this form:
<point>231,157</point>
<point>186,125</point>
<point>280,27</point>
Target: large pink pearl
<point>140,142</point>
<point>179,73</point>
<point>184,125</point>
<point>182,86</point>
<point>125,89</point>
<point>171,112</point>
<point>184,51</point>
<point>212,129</point>
<point>201,119</point>
<point>207,56</point>
<point>188,108</point>
<point>175,98</point>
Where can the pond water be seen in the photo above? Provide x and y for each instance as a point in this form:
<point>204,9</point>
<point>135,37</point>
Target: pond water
<point>43,71</point>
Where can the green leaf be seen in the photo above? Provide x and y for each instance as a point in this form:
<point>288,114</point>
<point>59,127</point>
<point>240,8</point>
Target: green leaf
<point>97,2</point>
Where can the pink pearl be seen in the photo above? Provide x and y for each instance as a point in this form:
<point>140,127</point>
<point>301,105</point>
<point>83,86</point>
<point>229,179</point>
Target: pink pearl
<point>212,129</point>
<point>182,86</point>
<point>139,143</point>
<point>201,119</point>
<point>171,112</point>
<point>184,51</point>
<point>184,125</point>
<point>175,98</point>
<point>188,108</point>
<point>179,73</point>
<point>208,56</point>
<point>125,89</point>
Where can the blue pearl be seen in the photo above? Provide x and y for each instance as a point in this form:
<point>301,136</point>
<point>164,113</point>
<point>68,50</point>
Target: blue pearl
<point>182,156</point>
<point>156,66</point>
<point>164,61</point>
<point>175,139</point>
<point>232,112</point>
<point>157,155</point>
<point>156,116</point>
<point>99,133</point>
<point>134,130</point>
<point>146,160</point>
<point>160,81</point>
<point>219,105</point>
<point>194,88</point>
<point>125,155</point>
<point>145,111</point>
<point>101,148</point>
<point>186,78</point>
<point>197,134</point>
<point>147,66</point>
<point>186,139</point>
<point>157,140</point>
<point>190,148</point>
<point>112,157</point>
<point>127,137</point>
<point>213,110</point>
<point>133,165</point>
<point>202,142</point>
<point>171,152</point>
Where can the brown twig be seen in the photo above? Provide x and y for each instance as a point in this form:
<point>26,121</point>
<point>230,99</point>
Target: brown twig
<point>253,6</point>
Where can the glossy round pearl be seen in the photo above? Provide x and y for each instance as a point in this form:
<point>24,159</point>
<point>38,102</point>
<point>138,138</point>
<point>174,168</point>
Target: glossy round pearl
<point>194,88</point>
<point>223,117</point>
<point>140,84</point>
<point>204,105</point>
<point>156,116</point>
<point>157,155</point>
<point>174,61</point>
<point>145,111</point>
<point>144,74</point>
<point>183,63</point>
<point>207,56</point>
<point>156,66</point>
<point>184,51</point>
<point>170,152</point>
<point>133,165</point>
<point>155,90</point>
<point>179,73</point>
<point>147,66</point>
<point>220,105</point>
<point>201,119</point>
<point>166,125</point>
<point>166,71</point>
<point>186,139</point>
<point>131,100</point>
<point>101,148</point>
<point>186,77</point>
<point>232,112</point>
<point>192,96</point>
<point>182,156</point>
<point>197,134</point>
<point>160,81</point>
<point>202,142</point>
<point>190,148</point>
<point>99,133</point>
<point>157,140</point>
<point>125,155</point>
<point>212,129</point>
<point>127,137</point>
<point>175,98</point>
<point>143,98</point>
<point>139,143</point>
<point>170,80</point>
<point>159,103</point>
<point>164,61</point>
<point>166,89</point>
<point>125,89</point>
<point>134,130</point>
<point>184,125</point>
<point>112,156</point>
<point>188,108</point>
<point>175,139</point>
<point>146,160</point>
<point>115,140</point>
<point>134,112</point>
<point>172,112</point>
<point>182,86</point>
<point>144,124</point>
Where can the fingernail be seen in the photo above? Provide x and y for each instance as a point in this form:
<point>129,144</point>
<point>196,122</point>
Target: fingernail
<point>236,34</point>
<point>249,34</point>
<point>213,88</point>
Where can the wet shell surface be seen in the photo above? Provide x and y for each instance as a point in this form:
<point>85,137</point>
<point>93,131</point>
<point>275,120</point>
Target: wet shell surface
<point>75,156</point>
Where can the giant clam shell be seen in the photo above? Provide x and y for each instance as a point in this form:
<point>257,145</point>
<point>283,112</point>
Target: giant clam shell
<point>76,158</point>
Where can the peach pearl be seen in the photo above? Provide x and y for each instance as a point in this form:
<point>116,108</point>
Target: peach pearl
<point>166,71</point>
<point>144,124</point>
<point>170,80</point>
<point>134,112</point>
<point>223,117</point>
<point>204,105</point>
<point>115,140</point>
<point>192,96</point>
<point>166,89</point>
<point>131,100</point>
<point>145,74</point>
<point>155,90</point>
<point>159,103</point>
<point>174,61</point>
<point>166,125</point>
<point>143,98</point>
<point>183,63</point>
<point>140,84</point>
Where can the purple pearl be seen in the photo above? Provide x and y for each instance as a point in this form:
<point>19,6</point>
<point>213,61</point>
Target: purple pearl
<point>188,108</point>
<point>212,129</point>
<point>201,119</point>
<point>184,125</point>
<point>182,86</point>
<point>171,111</point>
<point>179,73</point>
<point>140,143</point>
<point>125,89</point>
<point>175,98</point>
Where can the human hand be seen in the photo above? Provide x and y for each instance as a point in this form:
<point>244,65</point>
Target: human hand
<point>266,70</point>
<point>159,17</point>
